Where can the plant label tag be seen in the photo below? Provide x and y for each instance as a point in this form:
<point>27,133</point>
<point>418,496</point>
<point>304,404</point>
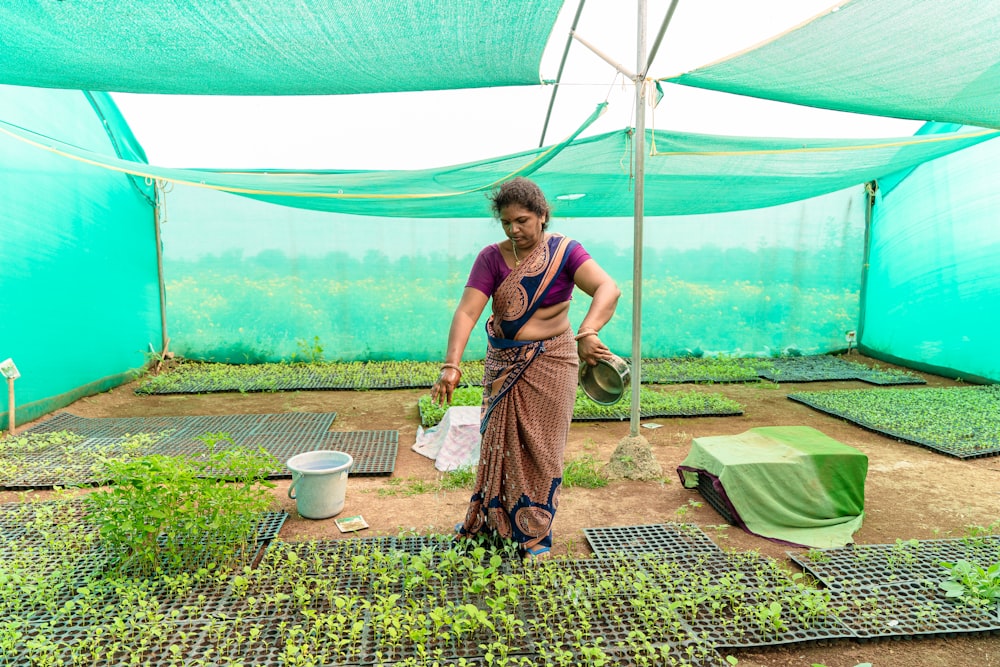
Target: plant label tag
<point>9,370</point>
<point>349,524</point>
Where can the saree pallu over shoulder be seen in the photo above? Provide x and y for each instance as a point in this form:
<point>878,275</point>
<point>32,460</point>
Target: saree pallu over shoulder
<point>520,294</point>
<point>515,301</point>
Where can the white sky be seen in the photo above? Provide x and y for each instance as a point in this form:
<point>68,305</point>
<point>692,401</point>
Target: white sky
<point>438,128</point>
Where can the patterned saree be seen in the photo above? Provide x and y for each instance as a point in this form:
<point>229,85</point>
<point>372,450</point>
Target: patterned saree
<point>529,388</point>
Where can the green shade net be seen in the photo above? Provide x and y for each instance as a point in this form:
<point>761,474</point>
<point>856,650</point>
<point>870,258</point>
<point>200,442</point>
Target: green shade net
<point>585,177</point>
<point>78,281</point>
<point>251,281</point>
<point>274,47</point>
<point>918,60</point>
<point>931,294</point>
<point>248,280</point>
<point>788,483</point>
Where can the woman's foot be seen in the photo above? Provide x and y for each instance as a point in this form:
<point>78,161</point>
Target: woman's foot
<point>535,554</point>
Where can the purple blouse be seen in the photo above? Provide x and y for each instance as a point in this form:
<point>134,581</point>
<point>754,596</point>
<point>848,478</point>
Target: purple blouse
<point>490,269</point>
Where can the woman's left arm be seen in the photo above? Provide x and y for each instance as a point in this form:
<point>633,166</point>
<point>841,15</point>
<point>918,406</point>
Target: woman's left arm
<point>604,293</point>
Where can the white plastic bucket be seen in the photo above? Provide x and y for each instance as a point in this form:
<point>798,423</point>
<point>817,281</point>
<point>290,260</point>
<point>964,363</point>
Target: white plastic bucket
<point>319,482</point>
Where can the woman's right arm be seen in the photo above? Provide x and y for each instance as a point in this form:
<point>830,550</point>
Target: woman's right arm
<point>469,309</point>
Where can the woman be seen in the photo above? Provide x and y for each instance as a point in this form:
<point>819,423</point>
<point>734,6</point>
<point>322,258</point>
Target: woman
<point>531,366</point>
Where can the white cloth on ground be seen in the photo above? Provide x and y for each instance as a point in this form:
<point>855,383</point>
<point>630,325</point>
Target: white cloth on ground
<point>454,442</point>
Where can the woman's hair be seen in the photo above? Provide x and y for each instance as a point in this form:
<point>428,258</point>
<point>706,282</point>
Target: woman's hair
<point>524,193</point>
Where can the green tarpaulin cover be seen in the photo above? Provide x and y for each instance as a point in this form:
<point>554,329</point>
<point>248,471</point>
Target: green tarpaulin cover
<point>787,483</point>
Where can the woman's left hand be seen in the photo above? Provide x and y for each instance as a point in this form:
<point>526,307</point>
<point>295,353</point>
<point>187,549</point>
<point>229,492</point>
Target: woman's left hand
<point>591,350</point>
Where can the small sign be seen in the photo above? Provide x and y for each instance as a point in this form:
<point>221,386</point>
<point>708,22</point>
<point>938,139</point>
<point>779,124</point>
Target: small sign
<point>349,524</point>
<point>651,425</point>
<point>850,336</point>
<point>9,370</point>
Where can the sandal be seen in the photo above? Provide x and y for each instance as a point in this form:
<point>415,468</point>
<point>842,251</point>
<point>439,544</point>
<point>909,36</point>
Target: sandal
<point>535,554</point>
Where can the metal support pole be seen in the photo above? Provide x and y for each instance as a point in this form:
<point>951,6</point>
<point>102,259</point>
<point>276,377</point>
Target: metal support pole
<point>603,56</point>
<point>12,425</point>
<point>164,338</point>
<point>562,65</point>
<point>640,171</point>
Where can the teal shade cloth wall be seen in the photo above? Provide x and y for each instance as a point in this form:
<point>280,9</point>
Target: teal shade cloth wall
<point>584,177</point>
<point>79,294</point>
<point>251,281</point>
<point>932,294</point>
<point>922,60</point>
<point>274,47</point>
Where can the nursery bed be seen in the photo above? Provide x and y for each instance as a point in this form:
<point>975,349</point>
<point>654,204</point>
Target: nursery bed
<point>652,404</point>
<point>77,460</point>
<point>676,370</point>
<point>963,422</point>
<point>199,378</point>
<point>891,590</point>
<point>204,377</point>
<point>823,368</point>
<point>181,429</point>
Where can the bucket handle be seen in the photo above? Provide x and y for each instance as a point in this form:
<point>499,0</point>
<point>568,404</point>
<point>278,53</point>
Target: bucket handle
<point>291,487</point>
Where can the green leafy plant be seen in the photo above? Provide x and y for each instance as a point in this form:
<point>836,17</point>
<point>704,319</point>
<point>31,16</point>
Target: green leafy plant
<point>463,478</point>
<point>585,472</point>
<point>972,583</point>
<point>432,413</point>
<point>684,509</point>
<point>171,512</point>
<point>310,351</point>
<point>818,556</point>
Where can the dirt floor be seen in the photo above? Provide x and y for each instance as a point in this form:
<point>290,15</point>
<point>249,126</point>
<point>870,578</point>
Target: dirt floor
<point>911,492</point>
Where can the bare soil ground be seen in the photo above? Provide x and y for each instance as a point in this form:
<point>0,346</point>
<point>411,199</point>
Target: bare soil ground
<point>911,492</point>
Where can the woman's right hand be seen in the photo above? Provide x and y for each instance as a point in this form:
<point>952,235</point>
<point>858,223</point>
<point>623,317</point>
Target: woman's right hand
<point>444,388</point>
<point>592,349</point>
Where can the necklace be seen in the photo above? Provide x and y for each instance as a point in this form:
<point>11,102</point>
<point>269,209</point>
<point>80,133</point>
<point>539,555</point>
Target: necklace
<point>517,260</point>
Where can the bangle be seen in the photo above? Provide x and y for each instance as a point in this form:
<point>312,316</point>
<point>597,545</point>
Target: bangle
<point>584,334</point>
<point>455,366</point>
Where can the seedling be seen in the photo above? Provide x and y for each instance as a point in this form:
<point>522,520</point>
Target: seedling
<point>972,583</point>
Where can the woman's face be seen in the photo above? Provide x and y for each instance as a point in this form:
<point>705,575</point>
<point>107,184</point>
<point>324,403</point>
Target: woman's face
<point>522,227</point>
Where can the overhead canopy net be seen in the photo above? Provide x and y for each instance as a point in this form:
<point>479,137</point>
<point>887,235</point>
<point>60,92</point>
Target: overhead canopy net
<point>587,177</point>
<point>78,278</point>
<point>918,60</point>
<point>274,47</point>
<point>932,282</point>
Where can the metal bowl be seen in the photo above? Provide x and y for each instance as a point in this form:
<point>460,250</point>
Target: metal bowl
<point>606,382</point>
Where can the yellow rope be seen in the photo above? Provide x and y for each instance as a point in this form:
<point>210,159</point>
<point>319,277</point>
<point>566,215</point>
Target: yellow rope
<point>832,149</point>
<point>274,193</point>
